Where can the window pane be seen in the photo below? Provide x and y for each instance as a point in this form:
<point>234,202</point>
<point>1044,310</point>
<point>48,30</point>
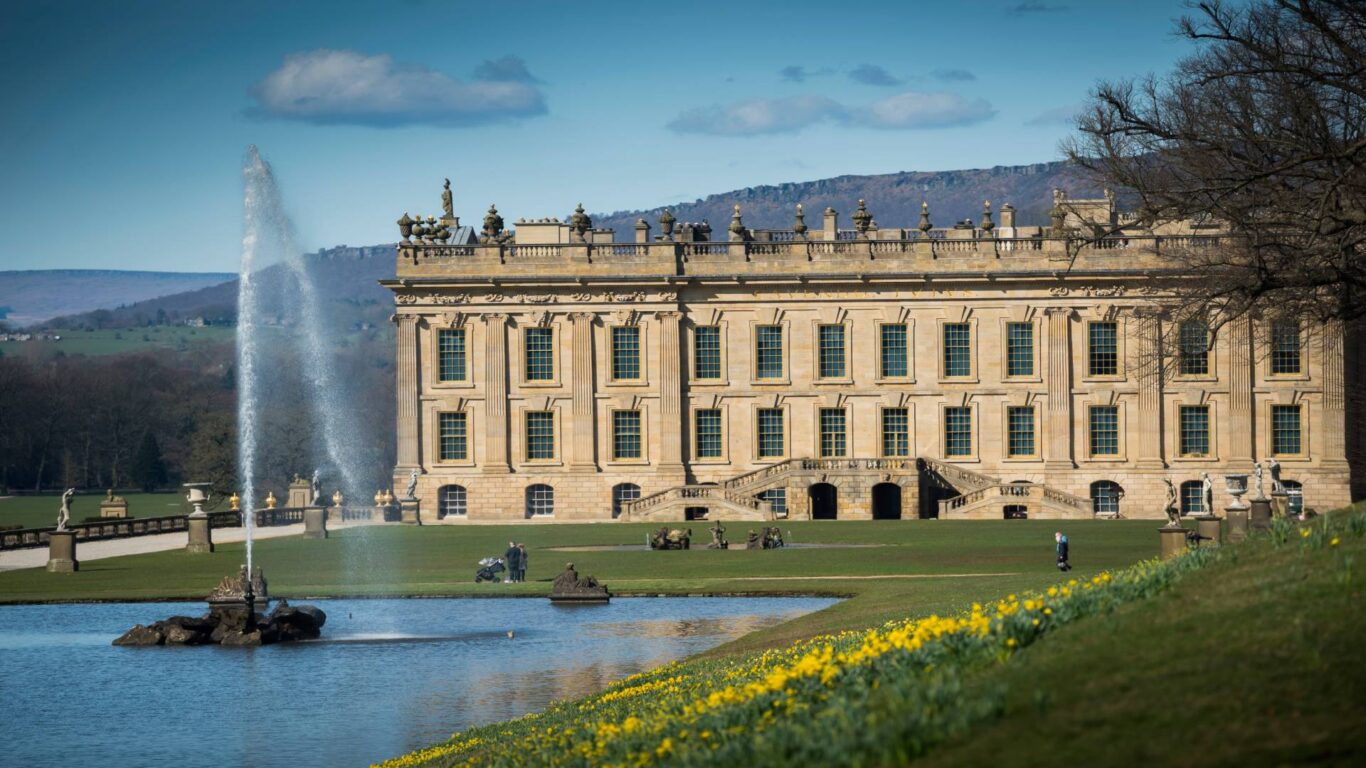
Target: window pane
<point>626,434</point>
<point>622,493</point>
<point>1192,498</point>
<point>1193,348</point>
<point>1285,347</point>
<point>540,435</point>
<point>453,501</point>
<point>896,432</point>
<point>706,362</point>
<point>768,351</point>
<point>709,433</point>
<point>452,436</point>
<point>1104,349</point>
<point>626,353</point>
<point>832,352</point>
<point>450,344</point>
<point>1194,430</point>
<point>1104,430</point>
<point>1019,349</point>
<point>957,349</point>
<point>1020,431</point>
<point>540,354</point>
<point>958,431</point>
<point>778,498</point>
<point>771,442</point>
<point>1105,497</point>
<point>540,500</point>
<point>894,352</point>
<point>1285,430</point>
<point>832,433</point>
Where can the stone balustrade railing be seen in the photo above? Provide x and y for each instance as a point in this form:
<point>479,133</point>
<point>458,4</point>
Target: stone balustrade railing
<point>916,254</point>
<point>963,479</point>
<point>1015,491</point>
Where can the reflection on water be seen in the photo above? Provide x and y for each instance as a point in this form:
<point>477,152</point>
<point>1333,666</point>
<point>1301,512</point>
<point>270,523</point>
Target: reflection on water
<point>387,676</point>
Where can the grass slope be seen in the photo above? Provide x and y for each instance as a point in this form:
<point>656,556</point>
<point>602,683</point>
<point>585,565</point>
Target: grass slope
<point>115,342</point>
<point>440,560</point>
<point>1255,660</point>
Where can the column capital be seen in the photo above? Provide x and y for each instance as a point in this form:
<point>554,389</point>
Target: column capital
<point>1057,310</point>
<point>494,318</point>
<point>404,317</point>
<point>582,317</point>
<point>668,314</point>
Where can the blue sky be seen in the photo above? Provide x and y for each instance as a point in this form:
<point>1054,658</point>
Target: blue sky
<point>124,124</point>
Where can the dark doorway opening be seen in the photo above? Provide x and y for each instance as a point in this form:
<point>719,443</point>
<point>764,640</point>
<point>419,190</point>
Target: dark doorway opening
<point>695,513</point>
<point>886,501</point>
<point>824,501</point>
<point>1016,512</point>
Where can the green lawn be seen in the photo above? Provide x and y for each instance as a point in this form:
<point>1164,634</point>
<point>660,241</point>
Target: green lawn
<point>1014,555</point>
<point>112,342</point>
<point>40,511</point>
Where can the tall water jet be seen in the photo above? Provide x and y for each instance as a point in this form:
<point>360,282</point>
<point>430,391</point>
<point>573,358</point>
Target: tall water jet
<point>247,355</point>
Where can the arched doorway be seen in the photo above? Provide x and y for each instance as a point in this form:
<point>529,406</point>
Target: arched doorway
<point>824,499</point>
<point>886,501</point>
<point>1105,498</point>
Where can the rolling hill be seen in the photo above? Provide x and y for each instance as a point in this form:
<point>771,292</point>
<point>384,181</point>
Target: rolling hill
<point>32,296</point>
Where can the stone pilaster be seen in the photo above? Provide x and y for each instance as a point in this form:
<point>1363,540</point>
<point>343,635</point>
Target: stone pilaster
<point>585,419</point>
<point>670,392</point>
<point>1241,412</point>
<point>1334,399</point>
<point>1150,370</point>
<point>496,394</point>
<point>1058,445</point>
<point>408,392</point>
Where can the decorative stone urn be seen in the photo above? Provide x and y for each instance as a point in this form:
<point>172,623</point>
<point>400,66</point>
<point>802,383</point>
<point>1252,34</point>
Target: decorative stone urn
<point>198,497</point>
<point>1236,486</point>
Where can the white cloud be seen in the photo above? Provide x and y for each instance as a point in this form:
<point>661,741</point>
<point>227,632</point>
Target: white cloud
<point>757,117</point>
<point>918,109</point>
<point>1064,115</point>
<point>348,87</point>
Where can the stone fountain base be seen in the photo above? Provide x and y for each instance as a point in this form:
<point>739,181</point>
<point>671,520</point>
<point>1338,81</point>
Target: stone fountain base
<point>235,618</point>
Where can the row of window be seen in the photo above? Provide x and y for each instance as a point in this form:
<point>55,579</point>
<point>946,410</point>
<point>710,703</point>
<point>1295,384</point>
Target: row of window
<point>1103,353</point>
<point>1103,433</point>
<point>453,500</point>
<point>1107,494</point>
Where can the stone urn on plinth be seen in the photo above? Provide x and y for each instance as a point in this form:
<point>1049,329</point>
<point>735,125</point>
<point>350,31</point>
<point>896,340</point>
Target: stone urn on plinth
<point>1237,512</point>
<point>200,533</point>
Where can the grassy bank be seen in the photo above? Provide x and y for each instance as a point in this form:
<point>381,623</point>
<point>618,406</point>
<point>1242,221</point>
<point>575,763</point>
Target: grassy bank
<point>40,511</point>
<point>1246,655</point>
<point>891,569</point>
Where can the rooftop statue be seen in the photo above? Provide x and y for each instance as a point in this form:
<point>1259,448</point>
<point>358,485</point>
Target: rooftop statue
<point>448,201</point>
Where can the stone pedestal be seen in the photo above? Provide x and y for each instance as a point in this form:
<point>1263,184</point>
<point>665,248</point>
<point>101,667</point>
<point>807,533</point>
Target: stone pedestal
<point>61,552</point>
<point>1237,524</point>
<point>1260,518</point>
<point>379,514</point>
<point>201,535</point>
<point>1211,528</point>
<point>315,523</point>
<point>300,493</point>
<point>1173,541</point>
<point>1280,504</point>
<point>116,507</point>
<point>409,512</point>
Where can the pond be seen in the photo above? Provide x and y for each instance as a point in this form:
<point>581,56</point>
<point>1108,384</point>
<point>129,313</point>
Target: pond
<point>388,676</point>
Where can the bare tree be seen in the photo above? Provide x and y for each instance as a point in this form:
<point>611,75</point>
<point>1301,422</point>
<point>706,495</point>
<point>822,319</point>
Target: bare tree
<point>1263,129</point>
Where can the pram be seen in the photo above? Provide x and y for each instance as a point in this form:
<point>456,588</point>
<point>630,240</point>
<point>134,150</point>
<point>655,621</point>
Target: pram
<point>489,568</point>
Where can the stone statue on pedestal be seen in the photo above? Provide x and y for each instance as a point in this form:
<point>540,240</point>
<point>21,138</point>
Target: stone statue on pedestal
<point>1206,494</point>
<point>718,537</point>
<point>317,489</point>
<point>1257,471</point>
<point>411,493</point>
<point>1173,509</point>
<point>64,513</point>
<point>1275,466</point>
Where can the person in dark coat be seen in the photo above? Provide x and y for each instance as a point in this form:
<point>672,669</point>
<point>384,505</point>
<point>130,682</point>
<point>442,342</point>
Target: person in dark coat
<point>1063,565</point>
<point>521,561</point>
<point>514,561</point>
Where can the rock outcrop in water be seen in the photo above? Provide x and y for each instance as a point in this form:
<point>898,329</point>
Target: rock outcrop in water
<point>232,625</point>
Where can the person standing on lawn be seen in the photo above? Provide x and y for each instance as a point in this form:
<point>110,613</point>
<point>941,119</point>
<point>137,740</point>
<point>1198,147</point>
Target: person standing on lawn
<point>514,561</point>
<point>1061,540</point>
<point>521,561</point>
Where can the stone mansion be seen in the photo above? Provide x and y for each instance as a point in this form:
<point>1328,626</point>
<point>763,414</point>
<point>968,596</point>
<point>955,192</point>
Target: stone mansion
<point>984,370</point>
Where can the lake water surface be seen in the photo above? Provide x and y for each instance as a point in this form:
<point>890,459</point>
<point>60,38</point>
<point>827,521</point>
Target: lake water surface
<point>388,676</point>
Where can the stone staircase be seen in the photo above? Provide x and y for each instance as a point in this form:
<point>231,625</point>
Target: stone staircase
<point>1040,502</point>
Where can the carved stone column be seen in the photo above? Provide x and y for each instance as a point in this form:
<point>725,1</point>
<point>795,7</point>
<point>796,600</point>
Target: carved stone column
<point>1058,447</point>
<point>585,416</point>
<point>1240,401</point>
<point>496,394</point>
<point>1334,398</point>
<point>408,389</point>
<point>1150,369</point>
<point>670,392</point>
